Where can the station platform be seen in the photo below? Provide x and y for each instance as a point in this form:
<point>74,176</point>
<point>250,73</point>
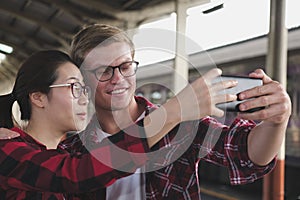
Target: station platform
<point>210,191</point>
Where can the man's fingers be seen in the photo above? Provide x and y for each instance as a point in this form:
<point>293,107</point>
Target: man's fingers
<point>259,73</point>
<point>222,85</point>
<point>211,74</point>
<point>269,113</point>
<point>267,89</point>
<point>7,134</point>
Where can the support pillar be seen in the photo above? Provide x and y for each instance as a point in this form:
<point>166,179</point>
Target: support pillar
<point>181,66</point>
<point>276,67</point>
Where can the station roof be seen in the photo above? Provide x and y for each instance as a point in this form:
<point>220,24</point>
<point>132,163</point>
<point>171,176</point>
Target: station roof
<point>31,25</point>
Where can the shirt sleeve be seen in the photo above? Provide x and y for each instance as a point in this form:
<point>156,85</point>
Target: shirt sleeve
<point>26,167</point>
<point>227,146</point>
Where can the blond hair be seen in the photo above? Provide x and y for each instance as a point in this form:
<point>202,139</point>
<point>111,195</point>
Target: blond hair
<point>93,35</point>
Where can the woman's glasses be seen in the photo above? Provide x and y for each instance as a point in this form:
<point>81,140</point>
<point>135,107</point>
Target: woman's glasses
<point>77,89</point>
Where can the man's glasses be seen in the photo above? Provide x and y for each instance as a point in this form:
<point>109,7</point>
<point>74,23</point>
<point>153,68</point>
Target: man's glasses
<point>77,89</point>
<point>105,73</point>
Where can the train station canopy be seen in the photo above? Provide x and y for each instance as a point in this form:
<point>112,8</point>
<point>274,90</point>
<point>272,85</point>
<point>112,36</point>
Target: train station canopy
<point>31,25</point>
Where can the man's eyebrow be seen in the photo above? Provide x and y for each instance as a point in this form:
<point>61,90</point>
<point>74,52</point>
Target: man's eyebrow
<point>96,67</point>
<point>73,78</point>
<point>101,66</point>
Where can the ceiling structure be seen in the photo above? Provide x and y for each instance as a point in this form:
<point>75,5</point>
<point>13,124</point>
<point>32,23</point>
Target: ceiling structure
<point>32,25</point>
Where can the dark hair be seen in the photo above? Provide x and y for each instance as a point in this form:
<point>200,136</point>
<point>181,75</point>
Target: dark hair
<point>36,74</point>
<point>93,35</point>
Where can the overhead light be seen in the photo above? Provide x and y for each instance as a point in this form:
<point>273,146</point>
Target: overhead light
<point>210,10</point>
<point>206,8</point>
<point>5,48</point>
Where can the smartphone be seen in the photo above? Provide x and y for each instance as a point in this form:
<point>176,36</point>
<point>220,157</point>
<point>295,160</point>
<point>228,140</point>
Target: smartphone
<point>244,83</point>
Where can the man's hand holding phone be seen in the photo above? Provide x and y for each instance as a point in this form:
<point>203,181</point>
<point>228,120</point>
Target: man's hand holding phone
<point>270,95</point>
<point>243,84</point>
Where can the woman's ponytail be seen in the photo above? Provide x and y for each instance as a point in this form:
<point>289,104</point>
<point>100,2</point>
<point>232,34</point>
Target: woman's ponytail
<point>6,103</point>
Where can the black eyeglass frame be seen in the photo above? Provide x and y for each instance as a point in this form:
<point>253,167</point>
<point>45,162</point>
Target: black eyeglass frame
<point>86,90</point>
<point>113,70</point>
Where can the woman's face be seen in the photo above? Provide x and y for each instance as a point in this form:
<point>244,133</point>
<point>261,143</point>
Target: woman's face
<point>64,110</point>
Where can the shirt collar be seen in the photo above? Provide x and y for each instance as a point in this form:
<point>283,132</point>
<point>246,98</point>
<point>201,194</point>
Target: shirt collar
<point>28,137</point>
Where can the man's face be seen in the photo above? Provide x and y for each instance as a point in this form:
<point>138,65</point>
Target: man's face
<point>118,92</point>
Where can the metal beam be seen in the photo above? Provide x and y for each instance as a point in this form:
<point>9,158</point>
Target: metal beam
<point>9,30</point>
<point>21,14</point>
<point>100,6</point>
<point>129,3</point>
<point>79,14</point>
<point>51,28</point>
<point>276,67</point>
<point>154,12</point>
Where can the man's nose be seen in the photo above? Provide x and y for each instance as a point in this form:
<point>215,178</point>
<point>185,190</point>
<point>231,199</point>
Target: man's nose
<point>117,76</point>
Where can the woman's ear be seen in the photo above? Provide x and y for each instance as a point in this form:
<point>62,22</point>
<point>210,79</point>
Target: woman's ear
<point>38,99</point>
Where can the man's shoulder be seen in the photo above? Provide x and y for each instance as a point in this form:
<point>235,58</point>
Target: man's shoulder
<point>143,101</point>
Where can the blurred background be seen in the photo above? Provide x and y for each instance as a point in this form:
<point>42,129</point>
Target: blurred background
<point>229,34</point>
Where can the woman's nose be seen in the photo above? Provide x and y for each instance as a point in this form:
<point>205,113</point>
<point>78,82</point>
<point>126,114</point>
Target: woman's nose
<point>83,99</point>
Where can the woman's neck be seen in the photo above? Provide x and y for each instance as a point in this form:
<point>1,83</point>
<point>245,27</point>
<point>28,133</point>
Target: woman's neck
<point>44,134</point>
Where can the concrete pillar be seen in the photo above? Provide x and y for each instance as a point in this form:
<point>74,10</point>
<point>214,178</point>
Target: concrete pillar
<point>181,58</point>
<point>276,67</point>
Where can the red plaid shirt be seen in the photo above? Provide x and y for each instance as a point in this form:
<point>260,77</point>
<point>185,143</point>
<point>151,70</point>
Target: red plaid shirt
<point>176,180</point>
<point>27,169</point>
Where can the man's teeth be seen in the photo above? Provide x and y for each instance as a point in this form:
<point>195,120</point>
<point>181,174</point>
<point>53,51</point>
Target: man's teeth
<point>118,91</point>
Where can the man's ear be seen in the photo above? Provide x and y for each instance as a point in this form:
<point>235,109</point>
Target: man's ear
<point>38,99</point>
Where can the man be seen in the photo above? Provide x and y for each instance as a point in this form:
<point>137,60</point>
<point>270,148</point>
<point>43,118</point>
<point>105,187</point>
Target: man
<point>106,57</point>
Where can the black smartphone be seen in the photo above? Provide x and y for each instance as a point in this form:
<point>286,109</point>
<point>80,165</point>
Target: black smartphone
<point>244,83</point>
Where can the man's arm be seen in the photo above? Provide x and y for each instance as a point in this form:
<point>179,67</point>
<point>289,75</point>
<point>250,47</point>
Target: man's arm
<point>265,139</point>
<point>25,167</point>
<point>195,101</point>
<point>7,134</point>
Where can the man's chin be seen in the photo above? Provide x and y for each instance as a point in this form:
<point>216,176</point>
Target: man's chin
<point>114,107</point>
<point>118,107</point>
<point>119,104</point>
